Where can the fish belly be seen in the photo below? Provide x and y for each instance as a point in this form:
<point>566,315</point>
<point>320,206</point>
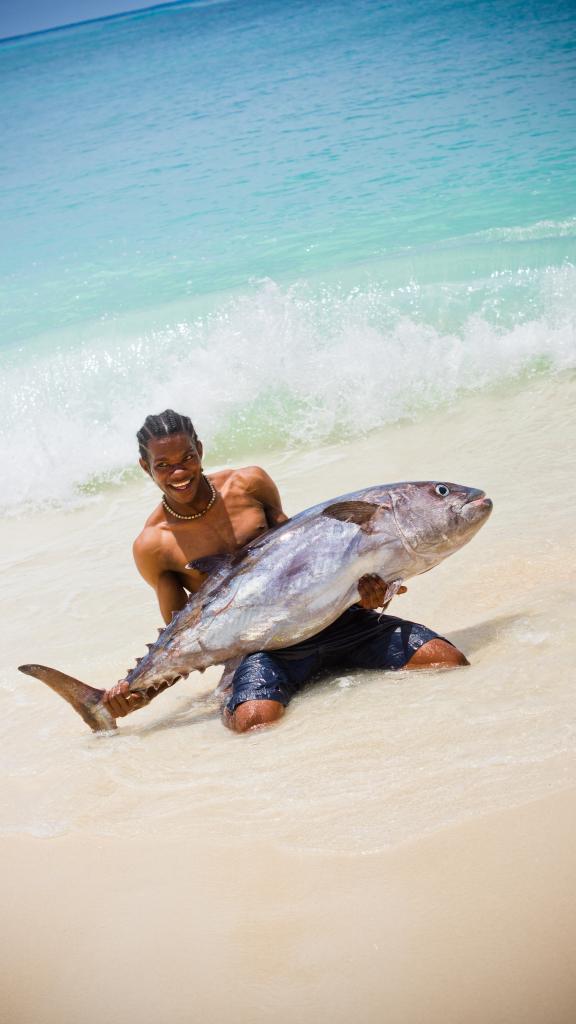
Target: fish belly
<point>279,608</point>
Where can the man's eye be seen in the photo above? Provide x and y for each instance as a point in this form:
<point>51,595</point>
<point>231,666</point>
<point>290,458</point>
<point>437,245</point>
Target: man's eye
<point>188,457</point>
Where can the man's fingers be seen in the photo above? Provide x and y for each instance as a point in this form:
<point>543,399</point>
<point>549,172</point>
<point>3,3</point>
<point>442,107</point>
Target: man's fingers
<point>120,702</point>
<point>117,706</point>
<point>117,690</point>
<point>373,591</point>
<point>123,704</point>
<point>370,582</point>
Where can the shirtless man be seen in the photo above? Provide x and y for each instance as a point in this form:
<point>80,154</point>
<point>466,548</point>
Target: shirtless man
<point>199,516</point>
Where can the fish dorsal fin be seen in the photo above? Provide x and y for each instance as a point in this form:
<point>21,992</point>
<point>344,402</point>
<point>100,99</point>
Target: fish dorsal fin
<point>210,564</point>
<point>359,512</point>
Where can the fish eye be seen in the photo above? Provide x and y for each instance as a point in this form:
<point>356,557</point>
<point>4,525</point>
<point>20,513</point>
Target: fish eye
<point>442,490</point>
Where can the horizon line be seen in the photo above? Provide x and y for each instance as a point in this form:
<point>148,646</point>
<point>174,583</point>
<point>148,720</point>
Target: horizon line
<point>109,17</point>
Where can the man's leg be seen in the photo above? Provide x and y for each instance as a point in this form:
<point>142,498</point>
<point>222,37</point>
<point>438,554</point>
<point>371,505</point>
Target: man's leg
<point>253,714</point>
<point>262,687</point>
<point>437,653</point>
<point>387,642</point>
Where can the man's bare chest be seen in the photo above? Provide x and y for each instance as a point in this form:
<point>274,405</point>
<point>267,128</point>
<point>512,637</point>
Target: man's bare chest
<point>224,532</point>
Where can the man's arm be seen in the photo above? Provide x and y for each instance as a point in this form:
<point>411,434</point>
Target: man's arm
<point>262,487</point>
<point>171,598</point>
<point>169,590</point>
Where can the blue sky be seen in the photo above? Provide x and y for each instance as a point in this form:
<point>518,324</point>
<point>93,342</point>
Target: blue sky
<point>18,17</point>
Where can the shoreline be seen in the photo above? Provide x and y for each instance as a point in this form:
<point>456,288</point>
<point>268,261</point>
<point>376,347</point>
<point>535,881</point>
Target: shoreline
<point>341,238</point>
<point>475,923</point>
<point>240,878</point>
<point>434,746</point>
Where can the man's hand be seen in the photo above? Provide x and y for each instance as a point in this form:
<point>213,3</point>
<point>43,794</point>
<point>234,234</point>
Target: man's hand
<point>373,590</point>
<point>120,703</point>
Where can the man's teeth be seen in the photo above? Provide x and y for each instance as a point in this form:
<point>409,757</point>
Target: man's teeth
<point>180,487</point>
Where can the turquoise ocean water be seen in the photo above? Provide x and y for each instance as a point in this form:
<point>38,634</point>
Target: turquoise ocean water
<point>295,221</point>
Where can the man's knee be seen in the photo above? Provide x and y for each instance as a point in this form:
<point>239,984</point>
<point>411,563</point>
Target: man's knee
<point>253,714</point>
<point>437,653</point>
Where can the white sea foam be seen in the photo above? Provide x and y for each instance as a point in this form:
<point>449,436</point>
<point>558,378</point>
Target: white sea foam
<point>524,233</point>
<point>277,367</point>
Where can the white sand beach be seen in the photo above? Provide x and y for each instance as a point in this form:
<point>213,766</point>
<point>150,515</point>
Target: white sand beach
<point>341,238</point>
<point>400,848</point>
<point>474,924</point>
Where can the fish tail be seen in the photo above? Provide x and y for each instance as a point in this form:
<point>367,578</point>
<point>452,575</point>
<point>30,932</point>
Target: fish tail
<point>86,700</point>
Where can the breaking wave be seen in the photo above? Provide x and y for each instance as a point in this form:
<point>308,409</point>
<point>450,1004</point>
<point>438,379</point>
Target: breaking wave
<point>543,229</point>
<point>275,367</point>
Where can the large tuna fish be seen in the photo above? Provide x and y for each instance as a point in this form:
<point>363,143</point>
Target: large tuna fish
<point>294,581</point>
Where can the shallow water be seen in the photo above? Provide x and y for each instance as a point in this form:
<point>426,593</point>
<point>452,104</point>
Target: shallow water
<point>362,761</point>
<point>208,144</point>
<point>343,239</point>
<point>299,222</point>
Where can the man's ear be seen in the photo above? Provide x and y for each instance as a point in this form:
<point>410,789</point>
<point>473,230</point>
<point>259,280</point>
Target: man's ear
<point>199,448</point>
<point>145,466</point>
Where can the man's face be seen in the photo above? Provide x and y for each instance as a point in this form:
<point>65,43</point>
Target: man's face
<point>175,465</point>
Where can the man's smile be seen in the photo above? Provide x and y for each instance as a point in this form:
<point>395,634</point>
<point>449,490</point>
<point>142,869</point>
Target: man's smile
<point>181,486</point>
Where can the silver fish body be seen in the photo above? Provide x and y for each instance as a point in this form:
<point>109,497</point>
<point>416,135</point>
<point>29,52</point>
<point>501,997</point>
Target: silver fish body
<point>292,582</point>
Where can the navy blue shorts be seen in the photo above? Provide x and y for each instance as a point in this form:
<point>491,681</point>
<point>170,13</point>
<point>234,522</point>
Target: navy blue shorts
<point>358,639</point>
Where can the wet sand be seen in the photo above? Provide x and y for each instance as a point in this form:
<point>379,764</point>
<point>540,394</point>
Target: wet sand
<point>475,924</point>
<point>401,848</point>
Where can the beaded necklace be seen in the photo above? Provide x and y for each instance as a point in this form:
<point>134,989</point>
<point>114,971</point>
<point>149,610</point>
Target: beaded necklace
<point>195,515</point>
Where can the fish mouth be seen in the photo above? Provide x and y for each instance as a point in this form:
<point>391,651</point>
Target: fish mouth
<point>477,507</point>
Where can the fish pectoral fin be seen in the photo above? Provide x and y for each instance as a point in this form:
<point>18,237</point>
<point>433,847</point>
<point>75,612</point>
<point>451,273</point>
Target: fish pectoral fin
<point>210,564</point>
<point>358,512</point>
<point>86,700</point>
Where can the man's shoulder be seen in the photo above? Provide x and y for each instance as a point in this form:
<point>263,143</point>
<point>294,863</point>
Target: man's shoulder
<point>149,540</point>
<point>251,486</point>
<point>246,478</point>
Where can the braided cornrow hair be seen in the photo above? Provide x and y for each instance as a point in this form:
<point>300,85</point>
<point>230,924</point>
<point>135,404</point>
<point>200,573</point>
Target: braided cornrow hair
<point>163,425</point>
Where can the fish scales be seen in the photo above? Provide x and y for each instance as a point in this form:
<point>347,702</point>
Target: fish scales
<point>294,581</point>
